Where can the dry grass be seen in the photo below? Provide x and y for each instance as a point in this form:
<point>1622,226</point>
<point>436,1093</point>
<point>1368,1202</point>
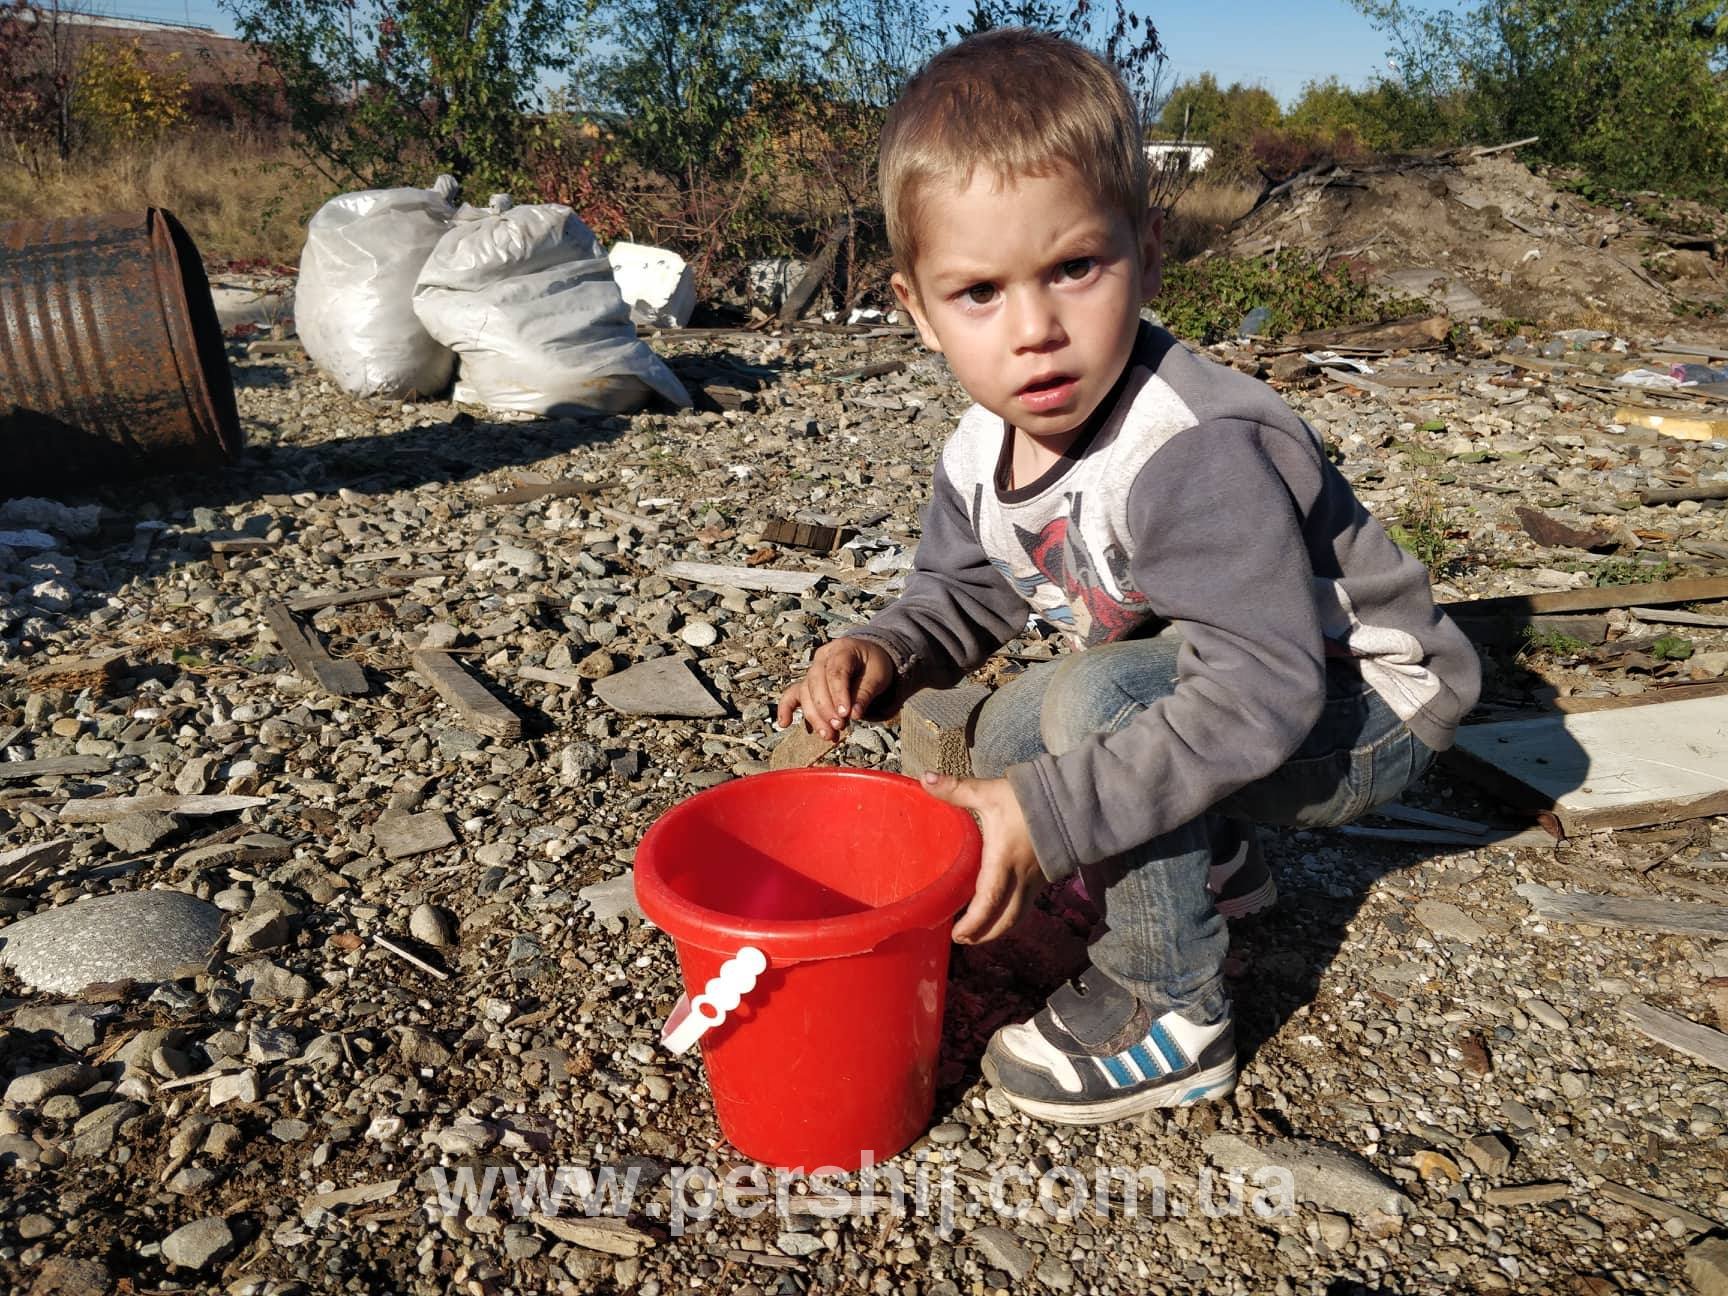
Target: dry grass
<point>240,195</point>
<point>1203,213</point>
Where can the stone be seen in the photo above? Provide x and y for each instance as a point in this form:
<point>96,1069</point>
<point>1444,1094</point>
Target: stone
<point>1490,1153</point>
<point>399,836</point>
<point>1325,1176</point>
<point>196,1244</point>
<point>949,1132</point>
<point>421,1048</point>
<point>1546,1013</point>
<point>132,936</point>
<point>699,634</point>
<point>69,1276</point>
<point>798,1244</point>
<point>1001,1250</point>
<point>664,686</point>
<point>1055,1273</point>
<point>431,925</point>
<point>79,1026</point>
<point>1707,1266</point>
<point>236,1086</point>
<point>1449,922</point>
<point>267,982</point>
<point>800,747</point>
<point>141,831</point>
<point>614,898</point>
<point>1334,1230</point>
<point>270,1044</point>
<point>37,1086</point>
<point>265,927</point>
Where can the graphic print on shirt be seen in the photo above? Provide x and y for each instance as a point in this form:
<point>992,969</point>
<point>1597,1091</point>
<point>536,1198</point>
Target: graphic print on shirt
<point>1101,601</point>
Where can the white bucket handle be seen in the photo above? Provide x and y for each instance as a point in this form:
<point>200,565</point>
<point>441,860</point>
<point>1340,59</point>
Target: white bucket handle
<point>693,1018</point>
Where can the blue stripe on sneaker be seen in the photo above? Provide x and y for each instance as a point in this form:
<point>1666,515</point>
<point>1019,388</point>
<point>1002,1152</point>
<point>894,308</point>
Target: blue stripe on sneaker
<point>1119,1073</point>
<point>1143,1059</point>
<point>1173,1055</point>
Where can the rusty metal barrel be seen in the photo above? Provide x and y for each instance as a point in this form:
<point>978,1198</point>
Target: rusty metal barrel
<point>111,356</point>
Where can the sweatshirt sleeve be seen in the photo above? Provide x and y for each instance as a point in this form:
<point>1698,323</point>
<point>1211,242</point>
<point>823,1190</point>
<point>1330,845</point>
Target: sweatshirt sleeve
<point>1219,551</point>
<point>956,608</point>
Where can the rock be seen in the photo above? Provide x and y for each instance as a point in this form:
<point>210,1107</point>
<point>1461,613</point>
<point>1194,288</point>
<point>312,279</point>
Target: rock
<point>949,1132</point>
<point>662,687</point>
<point>1325,1176</point>
<point>236,1086</point>
<point>94,1133</point>
<point>265,927</point>
<point>1490,1153</point>
<point>268,1044</point>
<point>656,284</point>
<point>1334,1230</point>
<point>267,982</point>
<point>133,936</point>
<point>798,1244</point>
<point>1546,1013</point>
<point>614,898</point>
<point>699,634</point>
<point>430,924</point>
<point>198,1243</point>
<point>37,1086</point>
<point>79,1026</point>
<point>1707,1266</point>
<point>1449,922</point>
<point>420,1048</point>
<point>1055,1273</point>
<point>141,831</point>
<point>798,747</point>
<point>1001,1250</point>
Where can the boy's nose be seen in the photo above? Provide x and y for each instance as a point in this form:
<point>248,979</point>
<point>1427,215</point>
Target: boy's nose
<point>1036,323</point>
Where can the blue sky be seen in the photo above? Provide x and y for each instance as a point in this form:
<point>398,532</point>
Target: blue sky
<point>1276,43</point>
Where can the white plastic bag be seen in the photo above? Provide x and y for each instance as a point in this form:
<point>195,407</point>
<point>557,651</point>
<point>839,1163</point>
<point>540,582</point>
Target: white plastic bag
<point>655,283</point>
<point>526,298</point>
<point>354,305</point>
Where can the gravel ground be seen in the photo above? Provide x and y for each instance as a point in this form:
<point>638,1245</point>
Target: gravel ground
<point>1451,1084</point>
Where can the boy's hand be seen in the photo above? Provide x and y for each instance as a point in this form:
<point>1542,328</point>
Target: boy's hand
<point>1010,872</point>
<point>845,677</point>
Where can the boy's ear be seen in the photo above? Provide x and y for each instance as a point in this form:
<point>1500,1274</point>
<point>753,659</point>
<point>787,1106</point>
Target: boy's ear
<point>907,294</point>
<point>1152,255</point>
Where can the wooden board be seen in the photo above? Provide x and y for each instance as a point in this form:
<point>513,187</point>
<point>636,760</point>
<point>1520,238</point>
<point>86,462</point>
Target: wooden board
<point>1684,1036</point>
<point>317,600</point>
<point>99,810</point>
<point>1606,769</point>
<point>53,767</point>
<point>465,695</point>
<point>1627,913</point>
<point>1706,590</point>
<point>747,578</point>
<point>1669,424</point>
<point>310,661</point>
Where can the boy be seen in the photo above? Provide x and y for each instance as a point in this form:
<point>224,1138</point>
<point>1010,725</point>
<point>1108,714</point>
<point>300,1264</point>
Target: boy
<point>1254,646</point>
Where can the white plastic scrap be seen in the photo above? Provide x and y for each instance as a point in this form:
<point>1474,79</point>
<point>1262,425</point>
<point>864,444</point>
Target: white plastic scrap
<point>655,283</point>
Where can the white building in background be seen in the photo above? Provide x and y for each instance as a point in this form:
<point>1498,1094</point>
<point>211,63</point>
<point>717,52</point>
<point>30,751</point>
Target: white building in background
<point>1190,157</point>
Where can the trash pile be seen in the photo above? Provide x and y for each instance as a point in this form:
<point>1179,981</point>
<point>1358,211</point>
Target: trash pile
<point>400,289</point>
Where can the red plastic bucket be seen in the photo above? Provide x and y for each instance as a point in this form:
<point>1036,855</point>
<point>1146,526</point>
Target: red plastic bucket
<point>848,881</point>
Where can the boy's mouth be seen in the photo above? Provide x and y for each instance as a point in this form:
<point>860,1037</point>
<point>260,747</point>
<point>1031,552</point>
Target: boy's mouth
<point>1049,392</point>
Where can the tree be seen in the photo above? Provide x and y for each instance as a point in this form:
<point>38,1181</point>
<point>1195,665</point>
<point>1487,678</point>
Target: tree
<point>1226,119</point>
<point>39,47</point>
<point>1632,91</point>
<point>385,91</point>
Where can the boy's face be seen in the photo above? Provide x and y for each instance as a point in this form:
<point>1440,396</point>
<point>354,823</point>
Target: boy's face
<point>1032,289</point>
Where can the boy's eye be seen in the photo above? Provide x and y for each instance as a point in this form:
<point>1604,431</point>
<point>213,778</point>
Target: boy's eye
<point>981,294</point>
<point>1078,268</point>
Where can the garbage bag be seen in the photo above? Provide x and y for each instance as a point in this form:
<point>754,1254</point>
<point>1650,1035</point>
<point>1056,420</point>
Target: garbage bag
<point>354,305</point>
<point>526,298</point>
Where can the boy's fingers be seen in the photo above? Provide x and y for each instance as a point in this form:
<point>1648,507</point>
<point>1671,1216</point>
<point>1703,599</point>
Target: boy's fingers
<point>876,677</point>
<point>993,892</point>
<point>788,704</point>
<point>955,791</point>
<point>837,678</point>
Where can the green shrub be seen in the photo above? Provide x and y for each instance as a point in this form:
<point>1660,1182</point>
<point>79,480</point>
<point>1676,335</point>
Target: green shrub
<point>1206,300</point>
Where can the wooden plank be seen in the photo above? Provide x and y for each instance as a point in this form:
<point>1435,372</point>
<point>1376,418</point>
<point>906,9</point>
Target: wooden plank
<point>16,865</point>
<point>1627,913</point>
<point>466,695</point>
<point>1650,697</point>
<point>1678,1033</point>
<point>100,810</point>
<point>1683,494</point>
<point>400,835</point>
<point>1662,616</point>
<point>307,655</point>
<point>53,767</point>
<point>67,674</point>
<point>1705,590</point>
<point>745,578</point>
<point>1512,838</point>
<point>318,600</point>
<point>528,492</point>
<point>806,535</point>
<point>1511,629</point>
<point>1621,768</point>
<point>1656,1207</point>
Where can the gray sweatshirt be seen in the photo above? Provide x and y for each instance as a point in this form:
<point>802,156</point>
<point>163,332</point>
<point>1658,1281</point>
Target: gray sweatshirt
<point>1195,498</point>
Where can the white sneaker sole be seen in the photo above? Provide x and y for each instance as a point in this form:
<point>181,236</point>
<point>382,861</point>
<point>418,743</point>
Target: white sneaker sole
<point>1214,1083</point>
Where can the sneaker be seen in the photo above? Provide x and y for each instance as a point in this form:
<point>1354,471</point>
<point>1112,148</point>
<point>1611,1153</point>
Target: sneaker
<point>1094,1054</point>
<point>1243,885</point>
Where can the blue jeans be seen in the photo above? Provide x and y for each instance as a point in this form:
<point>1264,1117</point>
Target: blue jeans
<point>1163,939</point>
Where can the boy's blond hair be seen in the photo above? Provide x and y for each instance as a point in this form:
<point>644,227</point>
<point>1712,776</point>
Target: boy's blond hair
<point>1014,102</point>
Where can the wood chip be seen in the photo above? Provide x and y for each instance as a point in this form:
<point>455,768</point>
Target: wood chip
<point>1530,1194</point>
<point>1678,1033</point>
<point>399,836</point>
<point>53,767</point>
<point>100,810</point>
<point>806,535</point>
<point>309,659</point>
<point>1665,917</point>
<point>600,1233</point>
<point>70,674</point>
<point>465,695</point>
<point>358,1195</point>
<point>743,578</point>
<point>409,957</point>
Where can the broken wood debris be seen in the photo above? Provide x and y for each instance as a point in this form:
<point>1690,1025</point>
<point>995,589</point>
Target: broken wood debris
<point>528,492</point>
<point>1555,534</point>
<point>601,1233</point>
<point>69,674</point>
<point>389,946</point>
<point>1666,423</point>
<point>806,535</point>
<point>1685,494</point>
<point>771,580</point>
<point>1620,768</point>
<point>1668,616</point>
<point>401,835</point>
<point>1656,1207</point>
<point>16,865</point>
<point>100,810</point>
<point>1700,590</point>
<point>465,695</point>
<point>1677,1032</point>
<point>318,600</point>
<point>308,656</point>
<point>1630,913</point>
<point>53,767</point>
